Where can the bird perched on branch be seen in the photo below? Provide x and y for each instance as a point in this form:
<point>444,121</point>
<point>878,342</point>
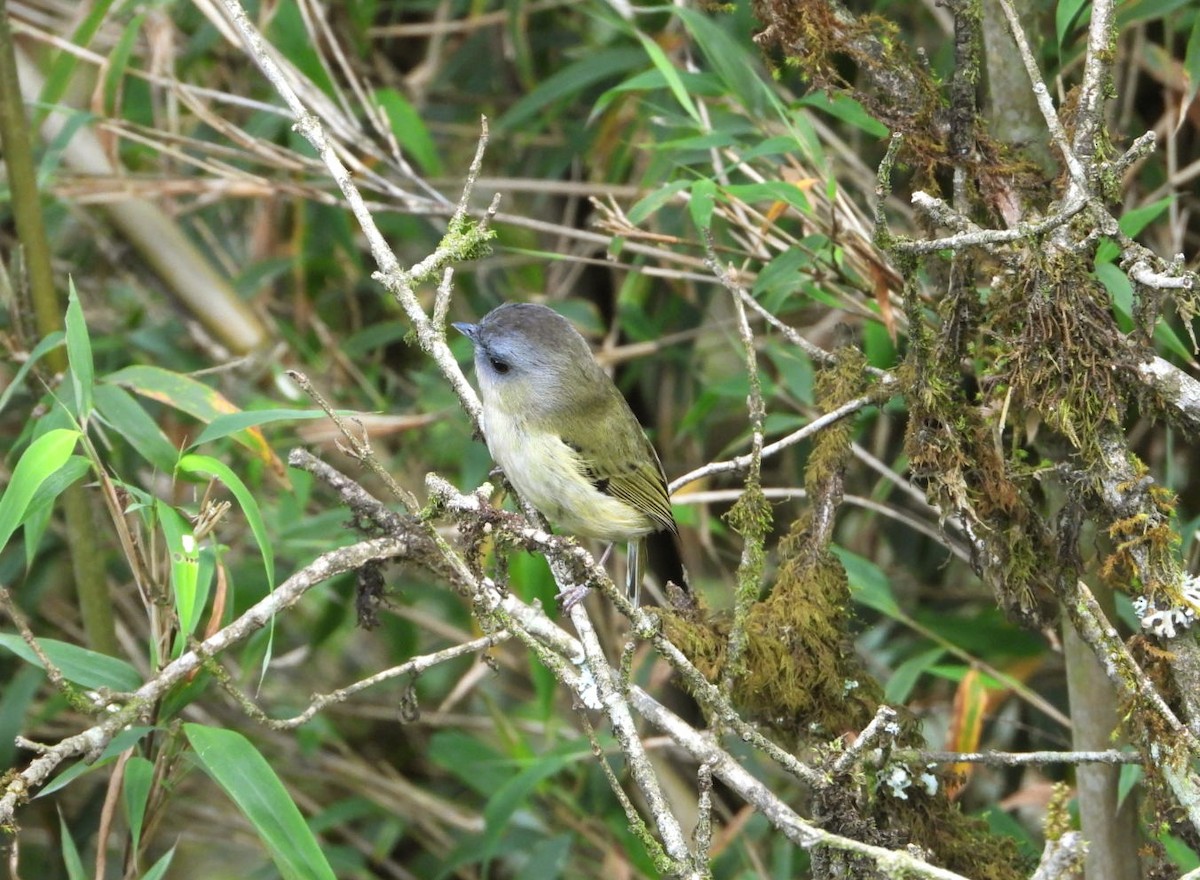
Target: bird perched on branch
<point>563,434</point>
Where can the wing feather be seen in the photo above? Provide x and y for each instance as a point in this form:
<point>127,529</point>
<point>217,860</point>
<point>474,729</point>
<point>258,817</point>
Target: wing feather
<point>633,472</point>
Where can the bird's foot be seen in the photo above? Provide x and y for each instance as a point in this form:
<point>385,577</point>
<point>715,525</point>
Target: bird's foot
<point>572,596</point>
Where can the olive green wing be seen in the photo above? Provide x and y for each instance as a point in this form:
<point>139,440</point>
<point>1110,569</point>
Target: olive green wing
<point>623,464</point>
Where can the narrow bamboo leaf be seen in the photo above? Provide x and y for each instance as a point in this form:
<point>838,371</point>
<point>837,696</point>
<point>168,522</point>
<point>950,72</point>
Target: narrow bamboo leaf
<point>124,740</point>
<point>1191,65</point>
<point>655,200</point>
<point>732,62</point>
<point>63,67</point>
<point>847,110</point>
<point>79,354</point>
<point>410,130</point>
<point>702,202</point>
<point>653,81</point>
<point>868,584</point>
<point>44,456</point>
<point>51,342</point>
<point>1133,221</point>
<point>78,665</point>
<point>207,466</point>
<point>901,682</point>
<point>674,82</point>
<point>41,507</point>
<point>159,869</point>
<point>117,60</point>
<point>185,565</point>
<point>223,426</point>
<point>123,413</point>
<point>15,700</point>
<point>475,763</point>
<point>570,82</point>
<point>244,774</point>
<point>1066,16</point>
<point>1147,10</point>
<point>70,852</point>
<point>777,190</point>
<point>139,777</point>
<point>1131,775</point>
<point>185,394</point>
<point>498,813</point>
<point>1117,283</point>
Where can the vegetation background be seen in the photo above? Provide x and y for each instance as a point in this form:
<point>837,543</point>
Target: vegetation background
<point>649,161</point>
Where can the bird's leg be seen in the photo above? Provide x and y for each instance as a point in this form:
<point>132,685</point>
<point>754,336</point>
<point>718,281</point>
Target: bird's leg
<point>604,556</point>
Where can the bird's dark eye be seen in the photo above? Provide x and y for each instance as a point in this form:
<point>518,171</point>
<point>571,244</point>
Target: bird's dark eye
<point>499,366</point>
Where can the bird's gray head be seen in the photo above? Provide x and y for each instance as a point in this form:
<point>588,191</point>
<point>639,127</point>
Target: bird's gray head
<point>529,356</point>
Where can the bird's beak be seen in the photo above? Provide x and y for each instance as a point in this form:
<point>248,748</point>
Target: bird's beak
<point>467,330</point>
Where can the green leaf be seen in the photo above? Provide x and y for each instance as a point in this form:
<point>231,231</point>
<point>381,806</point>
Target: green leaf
<point>847,110</point>
<point>1066,16</point>
<point>868,584</point>
<point>647,205</point>
<point>122,412</point>
<point>473,762</point>
<point>904,678</point>
<point>61,71</point>
<point>1191,63</point>
<point>1130,776</point>
<point>185,565</point>
<point>41,507</point>
<point>139,778</point>
<point>117,60</point>
<point>288,32</point>
<point>1147,10</point>
<point>781,278</point>
<point>498,814</point>
<point>410,131</point>
<point>79,354</point>
<point>159,869</point>
<point>704,142</point>
<point>570,82</point>
<point>123,741</point>
<point>70,852</point>
<point>549,857</point>
<point>1180,853</point>
<point>223,426</point>
<point>664,66</point>
<point>1121,291</point>
<point>731,61</point>
<point>206,466</point>
<point>653,81</point>
<point>186,395</point>
<point>51,342</point>
<point>772,191</point>
<point>244,774</point>
<point>1133,221</point>
<point>43,458</point>
<point>702,202</point>
<point>78,665</point>
<point>15,702</point>
<point>174,389</point>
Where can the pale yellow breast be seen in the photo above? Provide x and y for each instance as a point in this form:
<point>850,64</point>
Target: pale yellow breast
<point>549,475</point>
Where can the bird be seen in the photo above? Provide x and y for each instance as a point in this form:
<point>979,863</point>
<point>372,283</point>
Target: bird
<point>563,433</point>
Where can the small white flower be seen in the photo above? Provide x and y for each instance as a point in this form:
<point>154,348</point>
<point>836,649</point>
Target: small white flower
<point>930,782</point>
<point>897,778</point>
